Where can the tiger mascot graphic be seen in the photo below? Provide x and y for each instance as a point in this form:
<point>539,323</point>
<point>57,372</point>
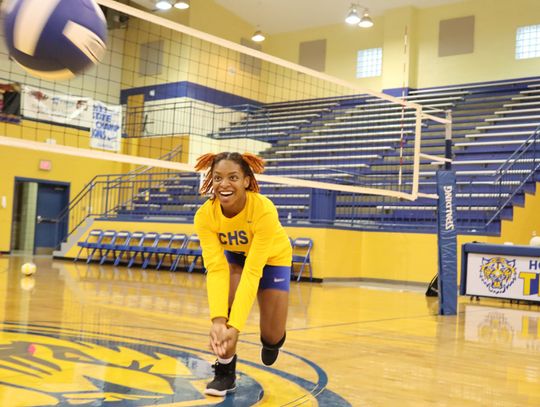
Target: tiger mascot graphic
<point>498,274</point>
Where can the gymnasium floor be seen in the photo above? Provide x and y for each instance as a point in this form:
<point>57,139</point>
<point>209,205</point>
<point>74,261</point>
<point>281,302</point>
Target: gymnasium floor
<point>97,335</point>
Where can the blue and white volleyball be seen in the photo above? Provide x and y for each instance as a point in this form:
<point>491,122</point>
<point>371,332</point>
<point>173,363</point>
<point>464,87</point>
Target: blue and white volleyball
<point>54,39</point>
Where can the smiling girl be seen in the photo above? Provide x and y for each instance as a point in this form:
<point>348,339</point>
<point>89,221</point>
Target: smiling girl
<point>247,254</point>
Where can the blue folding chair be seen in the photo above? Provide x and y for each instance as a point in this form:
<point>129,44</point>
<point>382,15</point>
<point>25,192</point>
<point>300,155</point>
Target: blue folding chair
<point>162,242</point>
<point>193,249</point>
<point>91,244</point>
<point>124,248</point>
<point>106,244</point>
<point>176,249</point>
<point>301,247</point>
<point>121,241</point>
<point>148,241</point>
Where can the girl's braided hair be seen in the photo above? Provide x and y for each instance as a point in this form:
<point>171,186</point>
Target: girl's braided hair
<point>250,163</point>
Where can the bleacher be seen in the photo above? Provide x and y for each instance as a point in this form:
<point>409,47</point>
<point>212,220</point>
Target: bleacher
<point>345,139</point>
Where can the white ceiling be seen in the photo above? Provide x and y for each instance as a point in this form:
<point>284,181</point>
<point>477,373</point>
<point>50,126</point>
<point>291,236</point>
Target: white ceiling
<point>276,16</point>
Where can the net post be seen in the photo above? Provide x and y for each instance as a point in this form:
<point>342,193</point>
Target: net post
<point>447,242</point>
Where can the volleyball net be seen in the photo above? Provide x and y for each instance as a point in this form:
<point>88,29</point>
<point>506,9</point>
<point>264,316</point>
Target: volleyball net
<point>166,93</point>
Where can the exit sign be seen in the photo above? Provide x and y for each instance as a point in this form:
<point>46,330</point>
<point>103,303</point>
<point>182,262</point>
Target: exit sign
<point>45,165</point>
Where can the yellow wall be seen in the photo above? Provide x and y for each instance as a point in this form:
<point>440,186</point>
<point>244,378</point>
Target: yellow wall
<point>496,22</point>
<point>417,66</point>
<point>24,163</point>
<point>209,17</point>
<point>342,45</point>
<point>186,58</point>
<point>526,220</point>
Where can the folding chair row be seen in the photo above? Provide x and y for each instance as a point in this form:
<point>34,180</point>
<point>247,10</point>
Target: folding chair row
<point>145,246</point>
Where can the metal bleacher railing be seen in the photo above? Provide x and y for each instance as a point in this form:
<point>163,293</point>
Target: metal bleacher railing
<point>189,117</point>
<point>519,169</point>
<point>105,195</point>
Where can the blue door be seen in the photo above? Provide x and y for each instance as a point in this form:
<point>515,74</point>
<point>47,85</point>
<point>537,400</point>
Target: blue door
<point>51,200</point>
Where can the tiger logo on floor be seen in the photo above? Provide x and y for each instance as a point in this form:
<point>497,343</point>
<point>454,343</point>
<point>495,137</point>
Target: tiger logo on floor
<point>498,274</point>
<point>44,366</point>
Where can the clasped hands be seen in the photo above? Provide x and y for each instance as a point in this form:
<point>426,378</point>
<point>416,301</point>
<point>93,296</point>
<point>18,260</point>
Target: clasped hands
<point>223,338</point>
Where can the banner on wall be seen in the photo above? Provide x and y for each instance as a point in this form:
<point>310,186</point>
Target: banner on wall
<point>57,108</point>
<point>104,121</point>
<point>106,130</point>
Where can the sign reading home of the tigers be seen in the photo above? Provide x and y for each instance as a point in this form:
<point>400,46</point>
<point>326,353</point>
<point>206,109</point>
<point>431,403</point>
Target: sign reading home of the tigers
<point>503,276</point>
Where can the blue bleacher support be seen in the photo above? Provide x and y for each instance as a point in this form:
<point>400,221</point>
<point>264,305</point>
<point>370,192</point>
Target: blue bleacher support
<point>322,206</point>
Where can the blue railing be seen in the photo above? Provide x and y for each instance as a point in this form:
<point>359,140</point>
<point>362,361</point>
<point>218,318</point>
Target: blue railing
<point>104,194</point>
<point>521,166</point>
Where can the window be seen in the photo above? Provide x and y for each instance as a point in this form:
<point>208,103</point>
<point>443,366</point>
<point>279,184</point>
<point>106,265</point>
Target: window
<point>369,63</point>
<point>528,42</point>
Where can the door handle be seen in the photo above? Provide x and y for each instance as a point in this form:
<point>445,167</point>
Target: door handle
<point>39,219</point>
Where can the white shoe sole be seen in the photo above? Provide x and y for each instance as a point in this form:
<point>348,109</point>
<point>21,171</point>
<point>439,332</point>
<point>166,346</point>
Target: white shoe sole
<point>219,393</point>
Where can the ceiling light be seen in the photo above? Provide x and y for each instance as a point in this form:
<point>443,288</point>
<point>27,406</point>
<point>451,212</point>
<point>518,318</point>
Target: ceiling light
<point>163,4</point>
<point>352,18</point>
<point>258,36</point>
<point>182,4</point>
<point>366,21</point>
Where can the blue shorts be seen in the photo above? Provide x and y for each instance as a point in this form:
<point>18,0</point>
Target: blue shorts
<point>276,277</point>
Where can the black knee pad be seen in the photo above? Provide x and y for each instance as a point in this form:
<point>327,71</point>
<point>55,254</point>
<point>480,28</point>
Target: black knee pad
<point>276,345</point>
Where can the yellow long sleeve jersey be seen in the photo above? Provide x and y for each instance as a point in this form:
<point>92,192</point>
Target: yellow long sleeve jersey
<point>257,233</point>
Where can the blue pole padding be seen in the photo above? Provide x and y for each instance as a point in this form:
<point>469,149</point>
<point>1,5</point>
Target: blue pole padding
<point>447,242</point>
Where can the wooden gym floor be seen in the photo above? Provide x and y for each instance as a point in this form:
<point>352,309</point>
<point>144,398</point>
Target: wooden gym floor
<point>78,334</point>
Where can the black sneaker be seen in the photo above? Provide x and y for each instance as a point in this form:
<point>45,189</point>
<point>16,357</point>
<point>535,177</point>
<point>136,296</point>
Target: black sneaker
<point>224,379</point>
<point>269,353</point>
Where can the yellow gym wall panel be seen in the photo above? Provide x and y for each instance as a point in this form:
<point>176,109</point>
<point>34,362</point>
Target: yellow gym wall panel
<point>349,254</point>
<point>156,147</point>
<point>209,17</point>
<point>16,162</point>
<point>496,22</point>
<point>526,220</point>
<point>399,48</point>
<point>342,45</point>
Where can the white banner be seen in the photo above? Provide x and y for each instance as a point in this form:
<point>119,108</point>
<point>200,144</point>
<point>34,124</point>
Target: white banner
<point>503,276</point>
<point>56,108</point>
<point>106,131</point>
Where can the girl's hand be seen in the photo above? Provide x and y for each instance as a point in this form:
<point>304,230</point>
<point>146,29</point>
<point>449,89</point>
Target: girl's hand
<point>218,337</point>
<point>230,339</point>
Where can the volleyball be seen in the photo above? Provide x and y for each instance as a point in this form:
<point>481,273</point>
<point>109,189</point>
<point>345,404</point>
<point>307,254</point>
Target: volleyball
<point>54,39</point>
<point>28,269</point>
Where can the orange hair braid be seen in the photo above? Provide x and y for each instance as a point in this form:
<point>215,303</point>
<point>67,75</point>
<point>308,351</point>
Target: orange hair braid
<point>204,162</point>
<point>256,164</point>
